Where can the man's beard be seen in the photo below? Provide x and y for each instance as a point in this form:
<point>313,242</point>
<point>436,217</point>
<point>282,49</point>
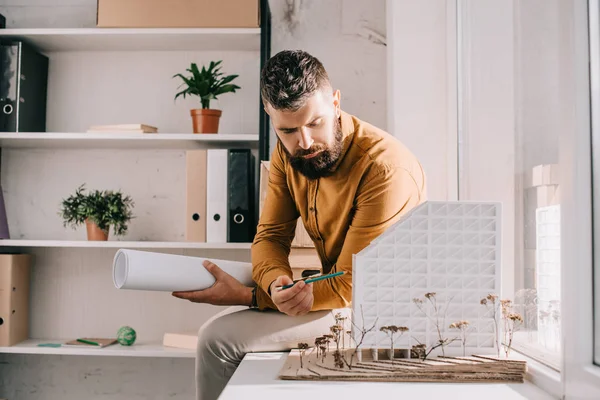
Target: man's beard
<point>321,164</point>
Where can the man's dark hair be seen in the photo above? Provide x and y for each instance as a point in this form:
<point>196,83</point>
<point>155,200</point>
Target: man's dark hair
<point>290,77</point>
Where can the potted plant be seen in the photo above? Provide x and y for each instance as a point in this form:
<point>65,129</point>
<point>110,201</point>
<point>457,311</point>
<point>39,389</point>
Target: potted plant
<point>207,84</point>
<point>99,210</point>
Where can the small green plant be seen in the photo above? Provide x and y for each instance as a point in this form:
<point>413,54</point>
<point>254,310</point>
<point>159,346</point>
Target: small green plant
<point>104,208</point>
<point>207,84</point>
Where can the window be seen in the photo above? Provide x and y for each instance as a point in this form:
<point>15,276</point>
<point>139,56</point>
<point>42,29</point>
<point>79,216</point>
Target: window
<point>539,82</point>
<point>523,80</point>
<point>511,113</point>
<point>517,87</point>
<point>529,136</point>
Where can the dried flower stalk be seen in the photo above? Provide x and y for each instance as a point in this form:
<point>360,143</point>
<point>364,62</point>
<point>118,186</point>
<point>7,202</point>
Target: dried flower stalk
<point>431,297</point>
<point>463,326</point>
<point>391,330</point>
<point>363,333</point>
<point>421,349</point>
<point>341,321</point>
<point>512,322</point>
<point>303,347</point>
<point>490,301</point>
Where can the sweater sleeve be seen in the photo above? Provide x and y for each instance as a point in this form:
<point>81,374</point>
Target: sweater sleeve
<point>275,232</point>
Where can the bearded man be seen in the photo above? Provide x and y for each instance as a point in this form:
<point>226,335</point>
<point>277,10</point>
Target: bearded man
<point>346,179</point>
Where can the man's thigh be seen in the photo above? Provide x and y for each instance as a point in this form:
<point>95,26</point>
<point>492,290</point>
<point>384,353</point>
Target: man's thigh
<point>254,331</point>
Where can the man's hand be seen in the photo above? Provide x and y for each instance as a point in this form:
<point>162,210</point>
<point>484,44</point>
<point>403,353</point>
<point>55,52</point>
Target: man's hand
<point>297,300</point>
<point>226,291</point>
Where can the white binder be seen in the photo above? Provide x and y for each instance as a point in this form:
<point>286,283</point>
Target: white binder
<point>216,196</point>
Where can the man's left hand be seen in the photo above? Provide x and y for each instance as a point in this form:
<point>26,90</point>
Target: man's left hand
<point>226,291</point>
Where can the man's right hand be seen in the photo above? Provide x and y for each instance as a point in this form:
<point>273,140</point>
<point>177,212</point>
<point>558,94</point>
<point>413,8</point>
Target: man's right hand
<point>297,300</point>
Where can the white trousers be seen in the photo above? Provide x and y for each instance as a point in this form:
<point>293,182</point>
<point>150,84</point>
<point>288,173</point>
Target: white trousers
<point>227,337</point>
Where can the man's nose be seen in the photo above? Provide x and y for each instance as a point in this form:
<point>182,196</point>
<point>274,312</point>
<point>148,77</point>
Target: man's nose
<point>305,140</point>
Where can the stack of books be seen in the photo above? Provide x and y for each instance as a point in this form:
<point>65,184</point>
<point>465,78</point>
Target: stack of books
<point>123,128</point>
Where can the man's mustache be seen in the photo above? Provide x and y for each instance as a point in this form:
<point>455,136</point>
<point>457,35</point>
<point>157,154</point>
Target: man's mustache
<point>312,150</point>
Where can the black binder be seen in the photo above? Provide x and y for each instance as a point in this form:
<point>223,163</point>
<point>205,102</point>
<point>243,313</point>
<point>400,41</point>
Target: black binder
<point>23,88</point>
<point>240,192</point>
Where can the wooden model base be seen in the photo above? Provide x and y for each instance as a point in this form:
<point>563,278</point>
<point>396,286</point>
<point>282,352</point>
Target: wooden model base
<point>439,369</point>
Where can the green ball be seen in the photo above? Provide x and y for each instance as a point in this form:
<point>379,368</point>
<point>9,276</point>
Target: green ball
<point>126,335</point>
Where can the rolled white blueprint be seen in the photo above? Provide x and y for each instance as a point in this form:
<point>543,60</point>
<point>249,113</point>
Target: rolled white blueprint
<point>145,270</point>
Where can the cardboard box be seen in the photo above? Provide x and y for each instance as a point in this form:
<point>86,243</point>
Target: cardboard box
<point>178,14</point>
<point>302,238</point>
<point>15,271</point>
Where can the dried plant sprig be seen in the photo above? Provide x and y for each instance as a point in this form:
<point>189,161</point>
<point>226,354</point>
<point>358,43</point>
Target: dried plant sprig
<point>328,338</point>
<point>391,330</point>
<point>490,302</point>
<point>337,331</point>
<point>338,359</point>
<point>341,321</point>
<point>302,347</point>
<point>363,332</point>
<point>435,318</point>
<point>463,326</point>
<point>512,323</point>
<point>418,351</point>
<point>423,349</point>
<point>321,343</point>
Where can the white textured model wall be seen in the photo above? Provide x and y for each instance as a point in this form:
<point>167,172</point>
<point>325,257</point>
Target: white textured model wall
<point>449,249</point>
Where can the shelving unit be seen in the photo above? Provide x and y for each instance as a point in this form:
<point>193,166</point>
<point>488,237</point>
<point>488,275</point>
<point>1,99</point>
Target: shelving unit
<point>62,265</point>
<point>180,141</point>
<point>142,349</point>
<point>150,39</point>
<point>117,244</point>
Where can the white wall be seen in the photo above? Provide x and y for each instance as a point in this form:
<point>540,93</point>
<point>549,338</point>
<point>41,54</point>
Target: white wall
<point>49,13</point>
<point>346,36</point>
<point>422,87</point>
<point>451,100</point>
<point>488,116</point>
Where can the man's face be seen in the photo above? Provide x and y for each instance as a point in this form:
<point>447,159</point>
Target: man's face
<point>312,135</point>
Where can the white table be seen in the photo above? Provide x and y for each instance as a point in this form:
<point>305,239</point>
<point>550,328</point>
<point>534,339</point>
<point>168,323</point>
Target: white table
<point>256,378</point>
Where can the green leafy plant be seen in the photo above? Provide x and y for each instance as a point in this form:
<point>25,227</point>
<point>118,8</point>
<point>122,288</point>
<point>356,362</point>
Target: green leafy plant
<point>207,84</point>
<point>104,208</point>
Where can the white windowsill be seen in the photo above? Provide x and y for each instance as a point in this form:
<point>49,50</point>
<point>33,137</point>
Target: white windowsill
<point>544,377</point>
<point>257,377</point>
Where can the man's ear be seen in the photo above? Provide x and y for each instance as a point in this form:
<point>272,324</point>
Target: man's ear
<point>336,103</point>
<point>266,107</point>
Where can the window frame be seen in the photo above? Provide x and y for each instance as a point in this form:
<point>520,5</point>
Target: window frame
<point>578,154</point>
<point>581,377</point>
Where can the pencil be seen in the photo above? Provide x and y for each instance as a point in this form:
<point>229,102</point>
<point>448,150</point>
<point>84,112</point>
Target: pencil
<point>88,342</point>
<point>318,278</point>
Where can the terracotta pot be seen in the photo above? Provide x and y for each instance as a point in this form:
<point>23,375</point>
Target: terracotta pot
<point>205,120</point>
<point>95,233</point>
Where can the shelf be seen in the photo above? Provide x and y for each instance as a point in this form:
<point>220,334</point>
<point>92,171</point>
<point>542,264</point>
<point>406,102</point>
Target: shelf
<point>116,244</point>
<point>151,349</point>
<point>122,39</point>
<point>126,140</point>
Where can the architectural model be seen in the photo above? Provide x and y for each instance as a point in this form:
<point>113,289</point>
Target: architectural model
<point>426,279</point>
<point>425,306</point>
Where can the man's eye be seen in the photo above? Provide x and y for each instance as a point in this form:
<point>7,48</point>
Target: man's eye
<point>315,123</point>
